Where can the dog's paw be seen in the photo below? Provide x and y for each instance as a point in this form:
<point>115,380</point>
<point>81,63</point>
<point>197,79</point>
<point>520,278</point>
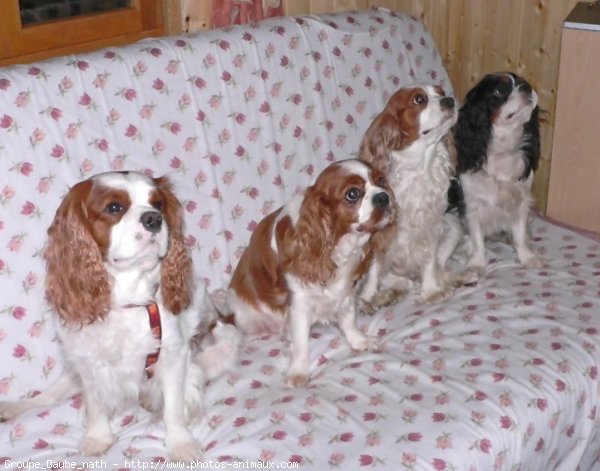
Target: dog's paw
<point>366,307</point>
<point>470,277</point>
<point>186,452</point>
<point>477,267</point>
<point>296,380</point>
<point>94,446</point>
<point>437,296</point>
<point>381,299</point>
<point>194,408</point>
<point>534,262</point>
<point>228,337</point>
<point>365,343</point>
<point>9,410</point>
<point>458,279</point>
<point>387,297</point>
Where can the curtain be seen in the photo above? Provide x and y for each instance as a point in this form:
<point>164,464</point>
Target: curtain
<point>235,12</point>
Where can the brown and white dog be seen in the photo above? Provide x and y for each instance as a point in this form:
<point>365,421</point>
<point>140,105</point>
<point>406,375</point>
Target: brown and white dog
<point>409,142</point>
<point>131,324</point>
<point>305,262</point>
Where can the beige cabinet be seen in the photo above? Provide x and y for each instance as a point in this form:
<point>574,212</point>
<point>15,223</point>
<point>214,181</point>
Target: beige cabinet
<point>574,190</point>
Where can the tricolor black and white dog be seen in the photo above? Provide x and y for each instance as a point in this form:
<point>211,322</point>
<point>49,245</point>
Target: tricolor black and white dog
<point>498,145</point>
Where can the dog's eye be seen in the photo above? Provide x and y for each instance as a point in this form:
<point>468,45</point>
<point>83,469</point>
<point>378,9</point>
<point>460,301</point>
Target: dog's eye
<point>353,195</point>
<point>502,89</point>
<point>113,208</point>
<point>158,205</point>
<point>419,99</point>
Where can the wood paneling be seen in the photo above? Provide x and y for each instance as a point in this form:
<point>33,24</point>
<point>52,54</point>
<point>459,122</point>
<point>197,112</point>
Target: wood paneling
<point>174,16</point>
<point>476,37</point>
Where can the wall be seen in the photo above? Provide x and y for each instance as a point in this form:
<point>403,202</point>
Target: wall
<point>475,37</point>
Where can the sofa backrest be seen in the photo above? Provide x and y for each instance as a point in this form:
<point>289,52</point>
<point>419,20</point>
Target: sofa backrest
<point>239,118</point>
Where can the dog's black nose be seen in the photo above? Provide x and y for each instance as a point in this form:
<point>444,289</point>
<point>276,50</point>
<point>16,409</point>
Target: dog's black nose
<point>381,200</point>
<point>447,102</point>
<point>152,221</point>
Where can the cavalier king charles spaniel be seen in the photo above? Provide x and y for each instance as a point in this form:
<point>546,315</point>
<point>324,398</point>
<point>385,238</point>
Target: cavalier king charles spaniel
<point>305,262</point>
<point>411,144</point>
<point>132,326</point>
<point>498,144</point>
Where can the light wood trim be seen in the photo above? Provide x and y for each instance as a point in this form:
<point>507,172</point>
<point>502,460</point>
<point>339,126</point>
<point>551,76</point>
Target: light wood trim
<point>196,14</point>
<point>575,175</point>
<point>56,34</point>
<point>174,17</point>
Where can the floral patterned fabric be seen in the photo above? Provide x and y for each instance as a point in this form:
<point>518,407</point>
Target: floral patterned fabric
<point>503,376</point>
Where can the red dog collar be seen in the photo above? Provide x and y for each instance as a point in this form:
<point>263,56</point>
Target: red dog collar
<point>156,328</point>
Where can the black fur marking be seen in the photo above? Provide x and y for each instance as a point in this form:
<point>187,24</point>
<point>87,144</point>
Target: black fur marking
<point>473,131</point>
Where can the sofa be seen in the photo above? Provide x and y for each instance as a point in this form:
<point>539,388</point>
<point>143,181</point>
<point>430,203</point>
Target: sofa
<point>503,376</point>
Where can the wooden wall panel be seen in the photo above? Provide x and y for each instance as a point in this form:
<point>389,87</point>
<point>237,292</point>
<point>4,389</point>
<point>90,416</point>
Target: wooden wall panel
<point>173,16</point>
<point>475,37</point>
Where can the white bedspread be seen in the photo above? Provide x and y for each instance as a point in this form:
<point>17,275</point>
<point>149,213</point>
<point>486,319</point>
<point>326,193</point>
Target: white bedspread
<point>502,377</point>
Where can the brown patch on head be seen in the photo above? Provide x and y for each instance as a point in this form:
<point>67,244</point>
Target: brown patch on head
<point>395,128</point>
<point>439,90</point>
<point>328,212</point>
<point>335,189</point>
<point>103,208</point>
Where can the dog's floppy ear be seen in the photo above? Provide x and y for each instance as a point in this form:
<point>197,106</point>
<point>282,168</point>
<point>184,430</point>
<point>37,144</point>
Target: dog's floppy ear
<point>395,128</point>
<point>383,136</point>
<point>448,142</point>
<point>306,247</point>
<point>77,283</point>
<point>472,133</point>
<point>176,273</point>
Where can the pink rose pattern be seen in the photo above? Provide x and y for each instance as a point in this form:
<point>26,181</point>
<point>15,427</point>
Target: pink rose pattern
<point>505,376</point>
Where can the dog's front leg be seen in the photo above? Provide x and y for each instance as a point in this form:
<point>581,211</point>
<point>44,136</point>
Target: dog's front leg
<point>356,339</point>
<point>433,288</point>
<point>299,325</point>
<point>98,435</point>
<point>451,238</point>
<point>477,261</point>
<point>521,240</point>
<point>179,441</point>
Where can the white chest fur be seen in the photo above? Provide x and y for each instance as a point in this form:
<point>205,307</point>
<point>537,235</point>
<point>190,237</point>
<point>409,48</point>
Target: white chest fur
<point>420,182</point>
<point>325,303</point>
<point>134,286</point>
<point>111,354</point>
<point>504,156</point>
